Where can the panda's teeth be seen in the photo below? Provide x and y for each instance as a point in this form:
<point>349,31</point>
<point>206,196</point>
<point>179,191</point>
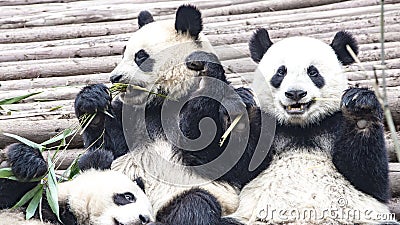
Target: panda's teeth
<point>302,107</point>
<point>289,107</point>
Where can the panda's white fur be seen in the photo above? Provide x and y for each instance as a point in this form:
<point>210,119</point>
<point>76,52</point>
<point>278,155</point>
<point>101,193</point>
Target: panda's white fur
<point>304,179</point>
<point>165,177</point>
<point>89,197</point>
<point>305,183</point>
<point>324,59</point>
<point>167,49</point>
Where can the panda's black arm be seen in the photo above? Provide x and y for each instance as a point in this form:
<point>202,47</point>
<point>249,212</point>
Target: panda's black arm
<point>26,163</point>
<point>104,135</point>
<point>93,99</point>
<point>359,152</point>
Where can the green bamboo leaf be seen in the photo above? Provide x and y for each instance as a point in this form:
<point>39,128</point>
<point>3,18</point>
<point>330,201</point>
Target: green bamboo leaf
<point>66,133</point>
<point>51,190</point>
<point>55,108</point>
<point>6,172</point>
<point>17,99</point>
<point>74,169</point>
<point>25,141</point>
<point>28,196</point>
<point>33,205</point>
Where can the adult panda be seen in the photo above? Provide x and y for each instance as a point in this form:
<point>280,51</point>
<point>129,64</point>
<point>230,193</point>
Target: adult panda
<point>327,163</point>
<point>94,197</point>
<point>184,83</point>
<point>188,181</point>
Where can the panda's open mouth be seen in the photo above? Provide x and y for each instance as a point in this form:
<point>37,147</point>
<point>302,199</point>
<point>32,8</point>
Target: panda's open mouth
<point>298,108</point>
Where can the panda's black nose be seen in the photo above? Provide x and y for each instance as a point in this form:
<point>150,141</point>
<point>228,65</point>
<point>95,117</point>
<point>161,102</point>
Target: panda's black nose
<point>115,78</point>
<point>144,219</point>
<point>296,95</point>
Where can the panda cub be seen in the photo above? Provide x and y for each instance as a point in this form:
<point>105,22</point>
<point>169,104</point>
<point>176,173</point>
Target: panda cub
<point>93,197</point>
<point>327,163</point>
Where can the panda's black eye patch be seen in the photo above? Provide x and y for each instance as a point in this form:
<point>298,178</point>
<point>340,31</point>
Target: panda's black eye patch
<point>315,76</point>
<point>277,79</point>
<point>143,61</point>
<point>141,56</point>
<point>124,198</point>
<point>312,71</point>
<point>281,71</point>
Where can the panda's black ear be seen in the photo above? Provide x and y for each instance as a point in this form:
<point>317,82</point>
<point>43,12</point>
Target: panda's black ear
<point>339,43</point>
<point>259,44</point>
<point>188,19</point>
<point>140,183</point>
<point>144,18</point>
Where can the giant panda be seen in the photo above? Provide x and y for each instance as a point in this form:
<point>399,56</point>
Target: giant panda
<point>96,197</point>
<point>327,163</point>
<point>175,62</point>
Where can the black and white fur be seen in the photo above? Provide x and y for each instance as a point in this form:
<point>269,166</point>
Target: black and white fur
<point>166,57</point>
<point>328,150</point>
<point>94,197</point>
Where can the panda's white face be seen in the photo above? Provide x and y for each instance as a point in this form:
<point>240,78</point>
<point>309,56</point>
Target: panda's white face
<point>305,79</point>
<point>106,198</point>
<point>154,59</point>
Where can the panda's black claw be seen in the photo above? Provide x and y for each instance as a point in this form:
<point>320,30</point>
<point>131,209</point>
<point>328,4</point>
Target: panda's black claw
<point>361,103</point>
<point>26,162</point>
<point>92,99</point>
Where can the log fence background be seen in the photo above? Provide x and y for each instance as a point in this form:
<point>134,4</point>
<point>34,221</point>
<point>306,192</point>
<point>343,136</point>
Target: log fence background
<point>58,46</point>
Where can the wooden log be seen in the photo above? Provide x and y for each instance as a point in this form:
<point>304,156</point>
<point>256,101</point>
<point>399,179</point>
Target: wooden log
<point>66,105</point>
<point>52,82</point>
<point>394,206</point>
<point>394,177</point>
<point>26,2</point>
<point>71,51</point>
<point>47,94</point>
<point>57,67</point>
<point>66,31</point>
<point>37,131</point>
<point>117,27</point>
<point>83,12</point>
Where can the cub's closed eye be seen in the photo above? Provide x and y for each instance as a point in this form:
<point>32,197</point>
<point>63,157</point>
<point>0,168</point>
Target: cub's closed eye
<point>124,198</point>
<point>141,56</point>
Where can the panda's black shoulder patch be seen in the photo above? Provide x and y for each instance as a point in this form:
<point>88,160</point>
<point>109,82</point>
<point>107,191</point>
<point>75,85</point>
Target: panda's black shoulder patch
<point>259,44</point>
<point>339,43</point>
<point>144,18</point>
<point>188,19</point>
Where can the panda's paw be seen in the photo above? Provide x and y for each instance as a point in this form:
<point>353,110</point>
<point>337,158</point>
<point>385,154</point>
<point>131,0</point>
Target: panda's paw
<point>26,162</point>
<point>99,159</point>
<point>197,60</point>
<point>92,99</point>
<point>206,63</point>
<point>361,103</point>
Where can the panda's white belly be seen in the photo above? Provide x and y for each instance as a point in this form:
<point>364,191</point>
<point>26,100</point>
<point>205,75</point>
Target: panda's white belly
<point>301,187</point>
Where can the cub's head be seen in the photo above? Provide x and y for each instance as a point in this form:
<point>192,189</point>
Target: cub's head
<point>104,198</point>
<point>303,75</point>
<point>154,57</point>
